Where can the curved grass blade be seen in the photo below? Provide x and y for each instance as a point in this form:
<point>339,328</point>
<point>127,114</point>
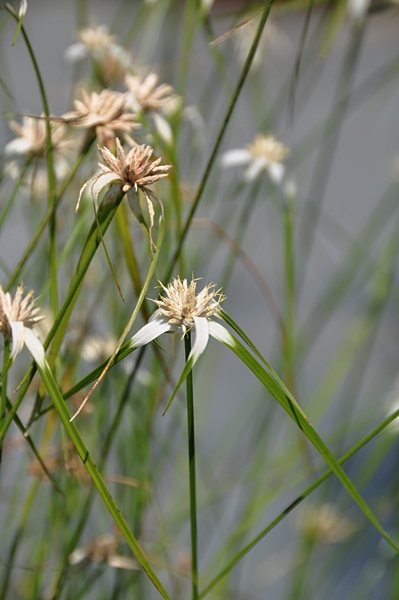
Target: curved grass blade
<point>56,396</point>
<point>244,551</point>
<point>288,402</point>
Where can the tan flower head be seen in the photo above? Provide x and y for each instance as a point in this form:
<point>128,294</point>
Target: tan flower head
<point>182,303</point>
<point>96,39</point>
<point>144,93</point>
<point>16,319</point>
<point>132,172</point>
<point>31,140</point>
<point>268,148</point>
<point>105,112</point>
<point>112,61</point>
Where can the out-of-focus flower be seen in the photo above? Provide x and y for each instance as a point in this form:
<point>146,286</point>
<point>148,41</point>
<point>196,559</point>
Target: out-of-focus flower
<point>324,524</point>
<point>146,95</point>
<point>103,549</point>
<point>157,100</point>
<point>105,112</point>
<point>265,153</point>
<point>131,173</point>
<point>96,348</point>
<point>96,42</point>
<point>31,142</point>
<point>60,460</point>
<point>17,318</point>
<point>181,310</point>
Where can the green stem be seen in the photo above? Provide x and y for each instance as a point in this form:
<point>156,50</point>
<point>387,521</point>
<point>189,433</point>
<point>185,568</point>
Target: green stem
<point>12,197</point>
<point>50,174</point>
<point>56,397</point>
<point>191,467</point>
<point>34,241</point>
<point>220,136</point>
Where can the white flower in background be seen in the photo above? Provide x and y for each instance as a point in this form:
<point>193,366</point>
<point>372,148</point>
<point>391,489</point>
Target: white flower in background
<point>103,549</point>
<point>264,154</point>
<point>324,524</point>
<point>131,173</point>
<point>31,142</point>
<point>101,46</point>
<point>181,310</point>
<point>17,318</point>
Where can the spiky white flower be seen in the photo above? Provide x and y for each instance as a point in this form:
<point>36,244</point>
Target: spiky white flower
<point>265,153</point>
<point>182,309</point>
<point>16,320</point>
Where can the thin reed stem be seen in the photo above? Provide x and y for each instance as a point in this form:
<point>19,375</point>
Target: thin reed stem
<point>191,467</point>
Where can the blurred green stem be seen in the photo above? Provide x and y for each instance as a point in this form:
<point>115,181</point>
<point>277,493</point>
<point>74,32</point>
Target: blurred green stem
<point>14,192</point>
<point>34,241</point>
<point>50,173</point>
<point>191,466</point>
<point>226,121</point>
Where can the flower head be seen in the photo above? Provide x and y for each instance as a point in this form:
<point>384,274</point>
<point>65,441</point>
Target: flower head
<point>265,153</point>
<point>113,61</point>
<point>105,112</point>
<point>146,95</point>
<point>182,309</point>
<point>16,319</point>
<point>182,304</point>
<point>31,142</point>
<point>132,172</point>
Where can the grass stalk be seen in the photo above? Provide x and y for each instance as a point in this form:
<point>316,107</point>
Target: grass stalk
<point>192,473</point>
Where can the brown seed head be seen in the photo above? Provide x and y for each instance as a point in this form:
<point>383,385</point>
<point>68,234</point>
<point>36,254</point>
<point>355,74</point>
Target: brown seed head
<point>106,112</point>
<point>147,95</point>
<point>136,168</point>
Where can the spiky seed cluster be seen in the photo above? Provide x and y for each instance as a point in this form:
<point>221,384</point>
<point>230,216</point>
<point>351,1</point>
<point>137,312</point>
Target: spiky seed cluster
<point>135,169</point>
<point>106,112</point>
<point>20,310</point>
<point>267,147</point>
<point>182,304</point>
<point>147,95</point>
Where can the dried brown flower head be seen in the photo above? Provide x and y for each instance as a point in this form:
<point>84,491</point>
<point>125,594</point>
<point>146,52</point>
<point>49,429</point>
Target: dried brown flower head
<point>144,93</point>
<point>106,112</point>
<point>132,172</point>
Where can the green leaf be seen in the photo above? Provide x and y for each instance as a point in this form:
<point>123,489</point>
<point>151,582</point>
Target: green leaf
<point>290,405</point>
<point>56,396</point>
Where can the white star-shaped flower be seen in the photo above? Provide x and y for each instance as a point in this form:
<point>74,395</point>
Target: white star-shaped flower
<point>183,310</point>
<point>264,154</point>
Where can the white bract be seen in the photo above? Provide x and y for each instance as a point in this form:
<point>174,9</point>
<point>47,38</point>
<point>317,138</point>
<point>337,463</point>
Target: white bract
<point>16,320</point>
